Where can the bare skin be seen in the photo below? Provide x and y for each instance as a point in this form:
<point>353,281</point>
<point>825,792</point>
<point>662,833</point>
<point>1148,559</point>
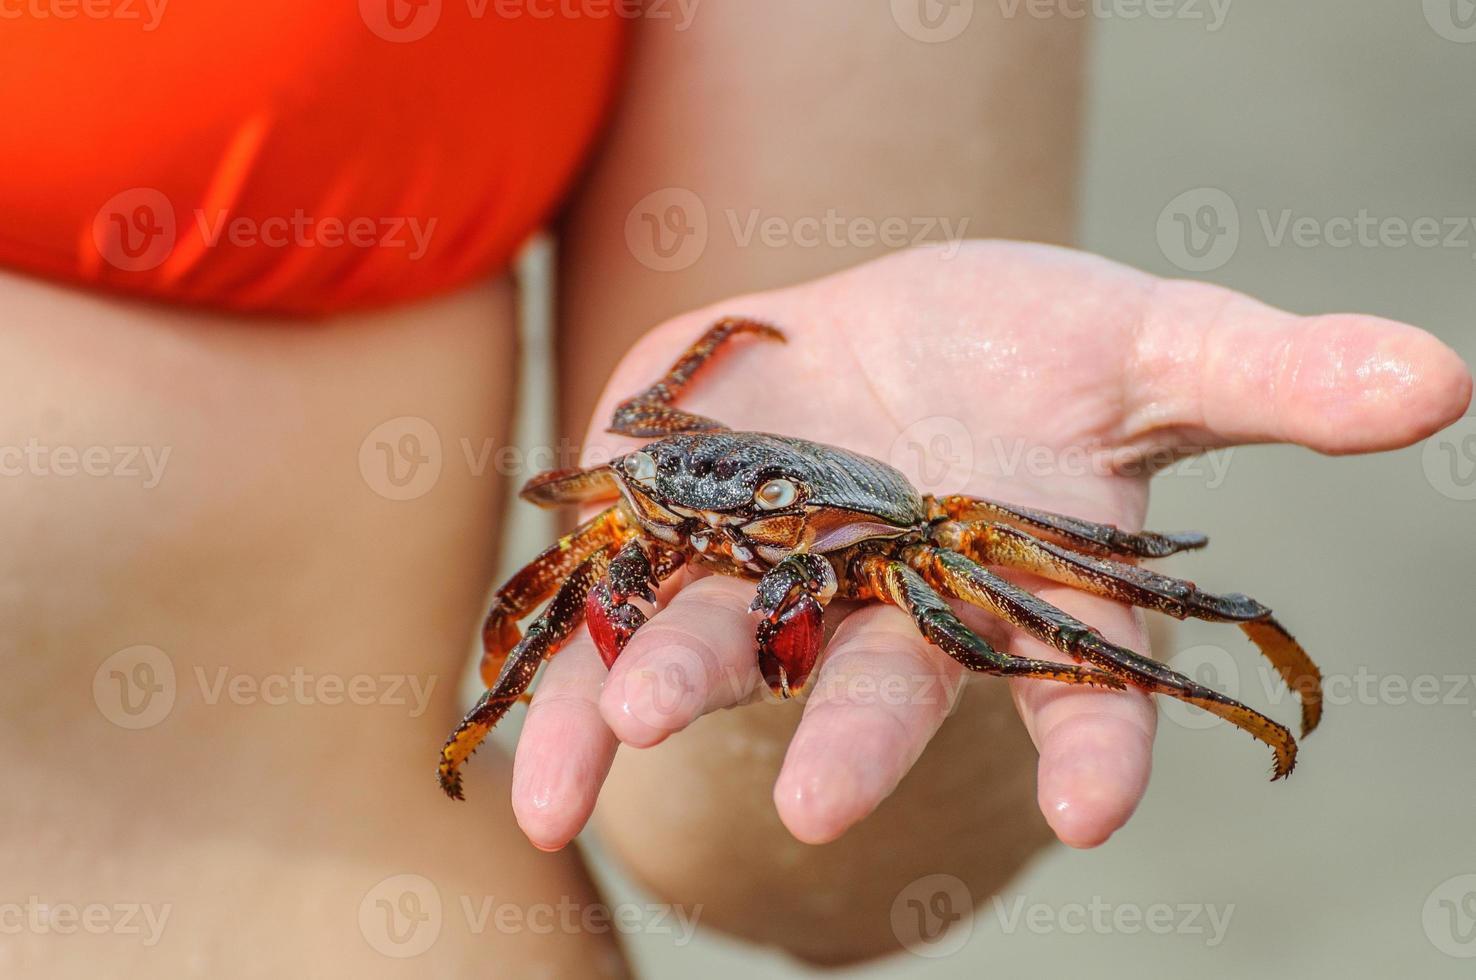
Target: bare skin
<point>257,820</point>
<point>1042,348</point>
<point>981,131</point>
<point>262,550</point>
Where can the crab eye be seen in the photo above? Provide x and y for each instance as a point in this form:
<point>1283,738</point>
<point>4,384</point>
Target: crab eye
<point>775,494</point>
<point>640,466</point>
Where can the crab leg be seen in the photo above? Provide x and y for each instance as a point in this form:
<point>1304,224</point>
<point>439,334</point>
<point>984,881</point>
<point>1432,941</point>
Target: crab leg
<point>1099,539</point>
<point>792,596</point>
<point>636,570</point>
<point>1009,547</point>
<point>537,580</point>
<point>545,635</point>
<point>960,577</point>
<point>555,488</point>
<point>895,582</point>
<point>651,413</point>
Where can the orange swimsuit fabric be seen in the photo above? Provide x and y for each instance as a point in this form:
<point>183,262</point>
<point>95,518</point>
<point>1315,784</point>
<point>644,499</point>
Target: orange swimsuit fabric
<point>289,157</point>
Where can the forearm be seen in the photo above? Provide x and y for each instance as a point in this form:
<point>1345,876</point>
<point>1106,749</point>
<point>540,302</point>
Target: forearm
<point>804,132</point>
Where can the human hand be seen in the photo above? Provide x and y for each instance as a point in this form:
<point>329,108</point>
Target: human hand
<point>1027,347</point>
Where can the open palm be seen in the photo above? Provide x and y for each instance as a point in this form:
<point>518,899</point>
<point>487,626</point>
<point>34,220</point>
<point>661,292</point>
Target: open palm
<point>959,369</point>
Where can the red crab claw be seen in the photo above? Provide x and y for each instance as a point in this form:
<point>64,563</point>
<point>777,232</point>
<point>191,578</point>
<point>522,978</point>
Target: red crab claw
<point>789,645</point>
<point>612,621</point>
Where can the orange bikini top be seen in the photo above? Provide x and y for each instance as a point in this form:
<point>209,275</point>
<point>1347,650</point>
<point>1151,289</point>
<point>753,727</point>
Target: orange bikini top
<point>291,157</point>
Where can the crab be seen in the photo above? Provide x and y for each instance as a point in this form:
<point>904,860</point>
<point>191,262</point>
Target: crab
<point>811,523</point>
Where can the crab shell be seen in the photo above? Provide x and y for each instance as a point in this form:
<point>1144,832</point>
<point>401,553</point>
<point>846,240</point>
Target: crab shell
<point>706,489</point>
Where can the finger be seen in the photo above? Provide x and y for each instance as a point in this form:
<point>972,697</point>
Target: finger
<point>565,749</point>
<point>880,695</point>
<point>1211,367</point>
<point>1096,747</point>
<point>695,655</point>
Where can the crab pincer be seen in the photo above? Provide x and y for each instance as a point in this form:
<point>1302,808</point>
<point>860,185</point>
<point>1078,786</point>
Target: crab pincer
<point>790,596</point>
<point>612,617</point>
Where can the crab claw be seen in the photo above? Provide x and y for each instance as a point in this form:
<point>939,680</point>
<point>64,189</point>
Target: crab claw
<point>789,645</point>
<point>612,621</point>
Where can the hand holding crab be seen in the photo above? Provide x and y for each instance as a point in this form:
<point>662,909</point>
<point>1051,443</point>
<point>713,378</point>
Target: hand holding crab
<point>1059,348</point>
